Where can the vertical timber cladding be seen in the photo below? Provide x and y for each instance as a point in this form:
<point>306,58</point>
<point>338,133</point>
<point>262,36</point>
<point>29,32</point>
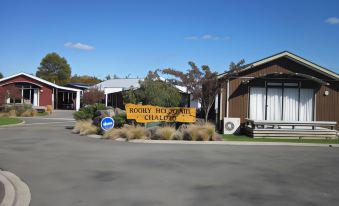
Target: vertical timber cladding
<point>238,96</point>
<point>327,106</point>
<point>147,113</point>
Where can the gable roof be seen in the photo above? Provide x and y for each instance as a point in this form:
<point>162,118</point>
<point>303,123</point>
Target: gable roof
<point>127,83</point>
<point>292,57</point>
<point>40,80</point>
<point>119,83</point>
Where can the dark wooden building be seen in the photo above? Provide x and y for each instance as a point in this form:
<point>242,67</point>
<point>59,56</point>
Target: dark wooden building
<point>283,88</point>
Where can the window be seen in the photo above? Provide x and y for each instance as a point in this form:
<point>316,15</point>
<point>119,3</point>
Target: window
<point>286,102</point>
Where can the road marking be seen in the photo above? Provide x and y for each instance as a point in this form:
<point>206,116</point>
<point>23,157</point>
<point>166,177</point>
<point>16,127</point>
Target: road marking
<point>44,123</point>
<point>70,119</point>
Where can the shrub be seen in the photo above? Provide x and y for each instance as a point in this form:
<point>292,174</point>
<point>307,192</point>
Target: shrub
<point>92,96</point>
<point>189,133</point>
<point>151,132</point>
<point>177,135</point>
<point>210,128</point>
<point>165,133</point>
<point>98,116</point>
<point>117,133</point>
<point>88,112</point>
<point>137,132</point>
<point>85,127</point>
<point>18,108</point>
<point>49,109</point>
<point>12,113</point>
<point>3,114</point>
<point>119,120</point>
<point>99,106</point>
<point>203,132</point>
<point>127,133</point>
<point>217,137</point>
<point>81,115</point>
<point>29,113</point>
<point>202,135</point>
<point>33,112</point>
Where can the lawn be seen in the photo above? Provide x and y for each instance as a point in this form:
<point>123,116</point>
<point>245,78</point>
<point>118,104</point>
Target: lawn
<point>9,120</point>
<point>40,114</point>
<point>250,139</point>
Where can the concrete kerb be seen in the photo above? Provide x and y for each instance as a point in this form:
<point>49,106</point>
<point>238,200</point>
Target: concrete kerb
<point>13,125</point>
<point>233,143</point>
<point>16,192</point>
<point>9,192</point>
<point>143,141</point>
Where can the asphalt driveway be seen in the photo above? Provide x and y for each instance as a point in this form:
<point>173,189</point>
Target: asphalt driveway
<point>66,169</point>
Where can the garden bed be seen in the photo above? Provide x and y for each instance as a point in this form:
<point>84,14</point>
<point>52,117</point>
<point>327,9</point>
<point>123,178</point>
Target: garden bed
<point>89,118</point>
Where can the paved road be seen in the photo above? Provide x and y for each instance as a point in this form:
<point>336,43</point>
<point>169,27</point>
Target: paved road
<point>66,169</point>
<point>57,117</point>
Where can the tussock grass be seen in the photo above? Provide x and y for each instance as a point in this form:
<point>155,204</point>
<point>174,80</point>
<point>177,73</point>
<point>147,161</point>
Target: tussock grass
<point>165,133</point>
<point>49,109</point>
<point>192,132</point>
<point>137,132</point>
<point>116,133</point>
<point>12,113</point>
<point>177,135</point>
<point>128,133</point>
<point>85,128</point>
<point>29,113</point>
<point>199,132</point>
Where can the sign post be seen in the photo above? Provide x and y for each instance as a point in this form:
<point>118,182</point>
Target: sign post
<point>107,123</point>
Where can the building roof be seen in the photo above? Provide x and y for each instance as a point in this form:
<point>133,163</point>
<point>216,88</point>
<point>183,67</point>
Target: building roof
<point>119,83</point>
<point>79,85</point>
<point>127,83</point>
<point>292,57</point>
<point>40,80</point>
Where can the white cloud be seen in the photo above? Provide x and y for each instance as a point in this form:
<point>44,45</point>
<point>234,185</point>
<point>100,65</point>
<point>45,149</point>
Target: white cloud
<point>206,37</point>
<point>209,37</point>
<point>192,38</point>
<point>332,20</point>
<point>78,46</point>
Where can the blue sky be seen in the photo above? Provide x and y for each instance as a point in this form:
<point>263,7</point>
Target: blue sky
<point>132,37</point>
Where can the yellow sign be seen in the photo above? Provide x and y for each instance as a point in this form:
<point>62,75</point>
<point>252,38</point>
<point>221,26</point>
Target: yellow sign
<point>147,113</point>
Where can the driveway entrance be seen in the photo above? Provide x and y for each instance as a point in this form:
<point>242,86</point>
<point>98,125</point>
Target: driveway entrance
<point>67,169</point>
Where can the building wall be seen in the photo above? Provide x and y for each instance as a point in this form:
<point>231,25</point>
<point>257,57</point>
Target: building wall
<point>45,93</point>
<point>327,107</point>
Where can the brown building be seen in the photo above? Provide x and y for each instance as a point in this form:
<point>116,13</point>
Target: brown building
<point>277,90</point>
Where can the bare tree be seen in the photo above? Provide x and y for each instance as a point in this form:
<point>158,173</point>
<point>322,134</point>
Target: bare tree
<point>10,92</point>
<point>92,96</point>
<point>201,83</point>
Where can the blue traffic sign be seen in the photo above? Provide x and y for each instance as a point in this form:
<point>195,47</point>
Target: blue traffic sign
<point>107,123</point>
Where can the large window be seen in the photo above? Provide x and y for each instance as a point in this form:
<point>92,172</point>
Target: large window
<point>281,101</point>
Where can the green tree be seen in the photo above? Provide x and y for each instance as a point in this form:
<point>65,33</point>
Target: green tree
<point>85,79</point>
<point>1,76</point>
<point>55,69</point>
<point>154,91</point>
